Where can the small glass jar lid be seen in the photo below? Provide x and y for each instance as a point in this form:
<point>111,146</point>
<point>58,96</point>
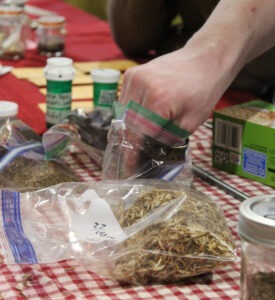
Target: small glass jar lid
<point>11,10</point>
<point>8,109</point>
<point>51,20</point>
<point>20,3</point>
<point>105,75</point>
<point>257,220</point>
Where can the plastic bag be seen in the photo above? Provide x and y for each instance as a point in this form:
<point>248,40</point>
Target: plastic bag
<point>133,231</point>
<point>87,130</point>
<point>144,145</point>
<point>23,164</point>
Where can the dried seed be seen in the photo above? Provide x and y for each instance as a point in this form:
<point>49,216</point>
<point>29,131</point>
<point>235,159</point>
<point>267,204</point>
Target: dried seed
<point>195,239</point>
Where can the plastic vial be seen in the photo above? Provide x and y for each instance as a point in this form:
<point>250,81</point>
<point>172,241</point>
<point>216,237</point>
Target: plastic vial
<point>105,86</point>
<point>50,34</point>
<point>59,73</point>
<point>257,232</point>
<point>8,110</point>
<point>14,31</point>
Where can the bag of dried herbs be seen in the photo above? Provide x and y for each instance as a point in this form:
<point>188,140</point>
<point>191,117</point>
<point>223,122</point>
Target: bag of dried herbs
<point>133,231</point>
<point>142,144</point>
<point>87,130</point>
<point>23,164</point>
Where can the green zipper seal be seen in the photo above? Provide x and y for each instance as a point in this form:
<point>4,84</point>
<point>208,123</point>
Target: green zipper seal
<point>163,123</point>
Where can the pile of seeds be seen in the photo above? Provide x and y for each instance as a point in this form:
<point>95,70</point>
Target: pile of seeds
<point>28,174</point>
<point>173,235</point>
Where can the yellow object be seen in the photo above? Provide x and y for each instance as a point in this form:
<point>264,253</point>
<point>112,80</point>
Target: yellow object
<point>120,64</point>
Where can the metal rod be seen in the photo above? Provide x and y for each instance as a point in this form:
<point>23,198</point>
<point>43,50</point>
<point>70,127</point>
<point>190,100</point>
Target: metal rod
<point>211,179</point>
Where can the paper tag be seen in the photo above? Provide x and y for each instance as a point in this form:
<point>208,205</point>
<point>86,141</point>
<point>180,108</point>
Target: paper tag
<point>92,219</point>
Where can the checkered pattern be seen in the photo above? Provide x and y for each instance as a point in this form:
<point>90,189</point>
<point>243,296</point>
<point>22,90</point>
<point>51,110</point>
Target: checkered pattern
<point>70,280</point>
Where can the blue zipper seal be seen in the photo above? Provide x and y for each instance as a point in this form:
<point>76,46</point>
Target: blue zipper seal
<point>21,247</point>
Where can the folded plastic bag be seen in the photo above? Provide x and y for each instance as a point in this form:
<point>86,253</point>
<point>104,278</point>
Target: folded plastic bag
<point>145,145</point>
<point>23,164</point>
<point>87,130</point>
<point>132,231</point>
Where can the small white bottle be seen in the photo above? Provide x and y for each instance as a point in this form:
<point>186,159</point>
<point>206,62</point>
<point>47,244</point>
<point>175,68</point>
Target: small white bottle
<point>59,73</point>
<point>105,86</point>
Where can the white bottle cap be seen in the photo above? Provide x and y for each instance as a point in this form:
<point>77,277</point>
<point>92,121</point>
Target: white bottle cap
<point>59,69</point>
<point>8,109</point>
<point>105,75</point>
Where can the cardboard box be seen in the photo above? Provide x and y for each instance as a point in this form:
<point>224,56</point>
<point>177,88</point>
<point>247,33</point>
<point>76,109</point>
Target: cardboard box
<point>244,141</point>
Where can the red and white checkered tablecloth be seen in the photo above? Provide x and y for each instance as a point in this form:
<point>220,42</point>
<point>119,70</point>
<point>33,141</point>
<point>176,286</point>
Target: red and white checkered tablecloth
<point>70,280</point>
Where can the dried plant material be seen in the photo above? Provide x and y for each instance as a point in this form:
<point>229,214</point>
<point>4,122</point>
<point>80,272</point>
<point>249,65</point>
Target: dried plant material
<point>261,286</point>
<point>19,286</point>
<point>192,238</point>
<point>27,279</point>
<point>25,173</point>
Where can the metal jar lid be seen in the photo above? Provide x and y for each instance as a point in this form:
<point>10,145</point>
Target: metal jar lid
<point>257,220</point>
<point>51,20</point>
<point>11,10</point>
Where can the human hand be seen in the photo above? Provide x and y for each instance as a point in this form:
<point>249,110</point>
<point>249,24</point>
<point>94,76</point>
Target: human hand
<point>182,86</point>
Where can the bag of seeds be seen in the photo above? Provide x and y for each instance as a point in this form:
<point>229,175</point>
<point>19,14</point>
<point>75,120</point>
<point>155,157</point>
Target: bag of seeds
<point>23,164</point>
<point>132,231</point>
<point>87,130</point>
<point>142,144</point>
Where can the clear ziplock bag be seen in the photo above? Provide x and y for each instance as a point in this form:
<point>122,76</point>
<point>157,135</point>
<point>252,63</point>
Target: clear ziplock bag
<point>87,130</point>
<point>145,145</point>
<point>132,231</point>
<point>23,164</point>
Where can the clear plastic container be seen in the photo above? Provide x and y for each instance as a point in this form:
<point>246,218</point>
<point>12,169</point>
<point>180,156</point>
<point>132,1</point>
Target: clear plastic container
<point>50,34</point>
<point>257,232</point>
<point>14,32</point>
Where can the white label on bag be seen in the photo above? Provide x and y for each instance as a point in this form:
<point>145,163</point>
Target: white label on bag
<point>92,219</point>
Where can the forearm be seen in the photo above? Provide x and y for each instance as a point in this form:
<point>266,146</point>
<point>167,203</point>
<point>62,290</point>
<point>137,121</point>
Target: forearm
<point>237,31</point>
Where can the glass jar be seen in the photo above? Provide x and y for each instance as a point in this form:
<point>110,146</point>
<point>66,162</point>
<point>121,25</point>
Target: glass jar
<point>50,35</point>
<point>257,232</point>
<point>14,32</point>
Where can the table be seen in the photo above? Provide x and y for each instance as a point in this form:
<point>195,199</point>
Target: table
<point>69,279</point>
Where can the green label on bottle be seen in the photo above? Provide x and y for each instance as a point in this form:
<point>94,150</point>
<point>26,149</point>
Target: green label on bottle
<point>105,94</point>
<point>58,100</point>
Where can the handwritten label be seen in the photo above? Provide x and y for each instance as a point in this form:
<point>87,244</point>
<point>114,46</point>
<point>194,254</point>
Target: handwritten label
<point>92,219</point>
